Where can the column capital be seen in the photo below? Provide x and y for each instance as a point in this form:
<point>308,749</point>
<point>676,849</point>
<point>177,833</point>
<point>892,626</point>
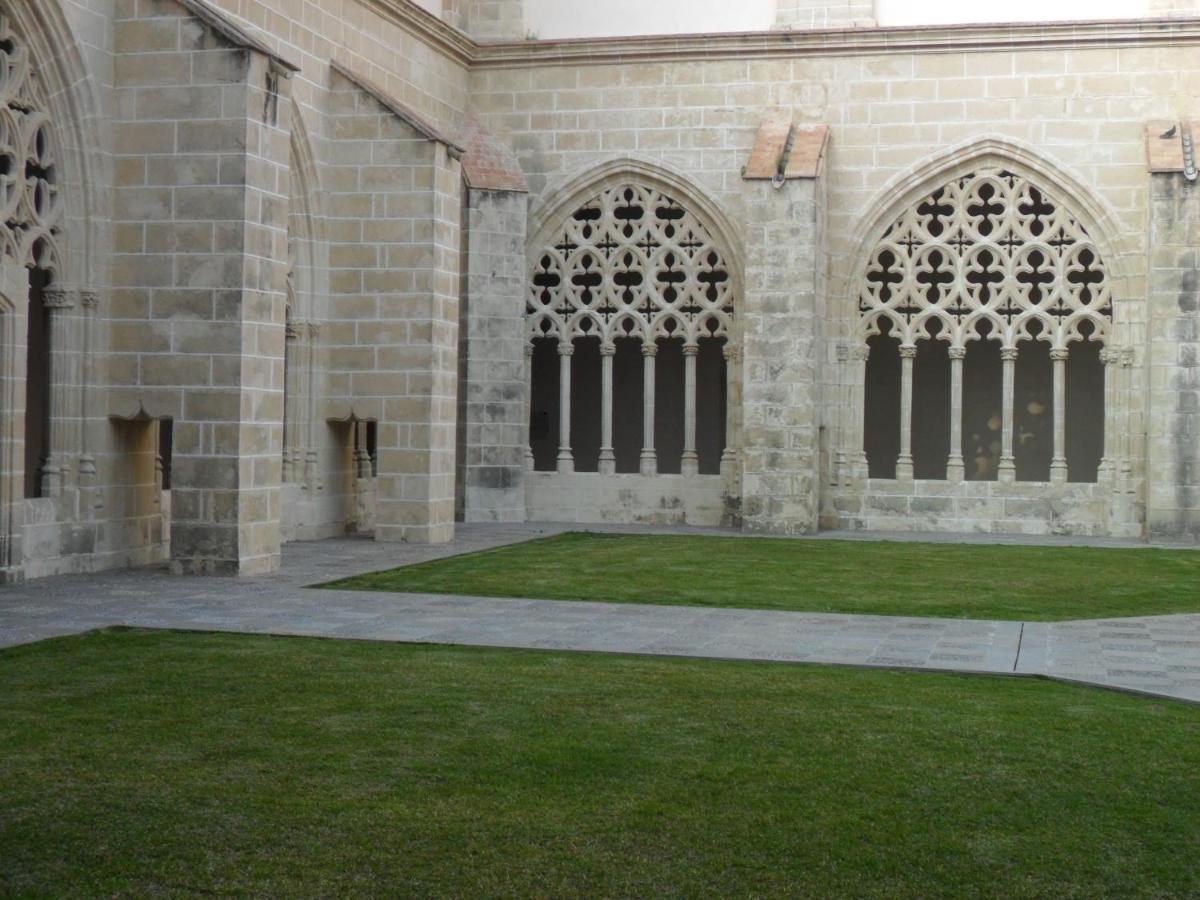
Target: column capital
<point>649,349</point>
<point>957,352</point>
<point>908,351</point>
<point>57,298</point>
<point>528,349</point>
<point>291,332</point>
<point>1108,357</point>
<point>691,349</point>
<point>1009,354</point>
<point>1060,355</point>
<point>566,348</point>
<point>89,299</point>
<point>314,329</point>
<point>862,353</point>
<point>608,349</point>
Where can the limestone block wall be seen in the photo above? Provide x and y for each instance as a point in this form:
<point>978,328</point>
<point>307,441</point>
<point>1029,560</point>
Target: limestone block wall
<point>493,408</point>
<point>197,304</point>
<point>782,311</point>
<point>394,197</point>
<point>824,14</point>
<point>495,20</point>
<point>1173,509</point>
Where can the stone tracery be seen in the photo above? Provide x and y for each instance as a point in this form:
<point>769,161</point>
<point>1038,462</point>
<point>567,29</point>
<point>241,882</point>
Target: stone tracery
<point>633,265</point>
<point>988,247</point>
<point>30,202</point>
<point>988,258</point>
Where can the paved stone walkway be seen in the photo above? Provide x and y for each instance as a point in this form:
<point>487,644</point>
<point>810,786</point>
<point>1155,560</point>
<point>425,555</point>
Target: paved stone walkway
<point>1153,655</point>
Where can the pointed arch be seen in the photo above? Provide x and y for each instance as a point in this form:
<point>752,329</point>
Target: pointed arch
<point>306,225</point>
<point>562,197</point>
<point>991,151</point>
<point>74,110</point>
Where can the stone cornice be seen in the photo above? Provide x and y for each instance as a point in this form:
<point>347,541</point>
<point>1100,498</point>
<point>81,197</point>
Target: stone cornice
<point>427,27</point>
<point>836,42</point>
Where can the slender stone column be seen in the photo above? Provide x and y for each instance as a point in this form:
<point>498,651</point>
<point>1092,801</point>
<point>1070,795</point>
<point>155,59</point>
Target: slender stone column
<point>529,463</point>
<point>732,405</point>
<point>1058,463</point>
<point>1112,400</point>
<point>59,305</point>
<point>1127,431</point>
<point>860,355</point>
<point>649,455</point>
<point>691,459</point>
<point>89,301</point>
<point>312,456</point>
<point>904,465</point>
<point>1008,462</point>
<point>608,458</point>
<point>566,461</point>
<point>291,361</point>
<point>362,457</point>
<point>956,470</point>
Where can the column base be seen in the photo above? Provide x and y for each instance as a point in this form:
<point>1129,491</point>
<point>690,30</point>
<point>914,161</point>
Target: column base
<point>1058,471</point>
<point>956,470</point>
<point>608,462</point>
<point>690,464</point>
<point>1007,473</point>
<point>566,464</point>
<point>904,469</point>
<point>649,463</point>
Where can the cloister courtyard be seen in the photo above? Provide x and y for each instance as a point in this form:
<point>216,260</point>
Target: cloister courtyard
<point>630,711</point>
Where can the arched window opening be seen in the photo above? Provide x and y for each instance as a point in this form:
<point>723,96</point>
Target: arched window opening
<point>630,313</point>
<point>985,307</point>
<point>882,406</point>
<point>30,220</point>
<point>37,385</point>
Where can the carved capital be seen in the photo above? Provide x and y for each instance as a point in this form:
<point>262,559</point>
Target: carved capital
<point>566,348</point>
<point>529,351</point>
<point>1009,354</point>
<point>691,349</point>
<point>1059,355</point>
<point>649,349</point>
<point>57,298</point>
<point>957,352</point>
<point>862,353</point>
<point>89,299</point>
<point>291,332</point>
<point>314,330</point>
<point>607,349</point>
<point>908,351</point>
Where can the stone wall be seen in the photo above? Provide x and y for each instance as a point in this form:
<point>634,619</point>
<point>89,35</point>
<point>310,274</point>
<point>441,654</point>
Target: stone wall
<point>823,14</point>
<point>494,413</point>
<point>196,332</point>
<point>1173,509</point>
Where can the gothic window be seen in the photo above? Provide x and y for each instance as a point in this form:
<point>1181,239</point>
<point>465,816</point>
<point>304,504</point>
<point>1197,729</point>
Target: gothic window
<point>985,307</point>
<point>630,314</point>
<point>30,219</point>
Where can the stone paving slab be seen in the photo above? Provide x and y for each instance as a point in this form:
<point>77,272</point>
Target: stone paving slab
<point>1152,655</point>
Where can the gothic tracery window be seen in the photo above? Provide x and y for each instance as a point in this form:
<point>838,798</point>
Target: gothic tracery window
<point>30,222</point>
<point>630,313</point>
<point>985,307</point>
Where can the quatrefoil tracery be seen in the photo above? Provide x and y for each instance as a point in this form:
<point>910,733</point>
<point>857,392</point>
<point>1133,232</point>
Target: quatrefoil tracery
<point>631,263</point>
<point>30,201</point>
<point>987,255</point>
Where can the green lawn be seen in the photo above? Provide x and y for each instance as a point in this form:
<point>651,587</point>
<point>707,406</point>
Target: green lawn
<point>875,577</point>
<point>163,763</point>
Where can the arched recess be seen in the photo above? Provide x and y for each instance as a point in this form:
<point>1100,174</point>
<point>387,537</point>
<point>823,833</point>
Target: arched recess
<point>75,113</point>
<point>55,168</point>
<point>634,279</point>
<point>307,298</point>
<point>903,318</point>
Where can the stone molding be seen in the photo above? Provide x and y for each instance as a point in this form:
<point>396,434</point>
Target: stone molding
<point>837,42</point>
<point>407,115</point>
